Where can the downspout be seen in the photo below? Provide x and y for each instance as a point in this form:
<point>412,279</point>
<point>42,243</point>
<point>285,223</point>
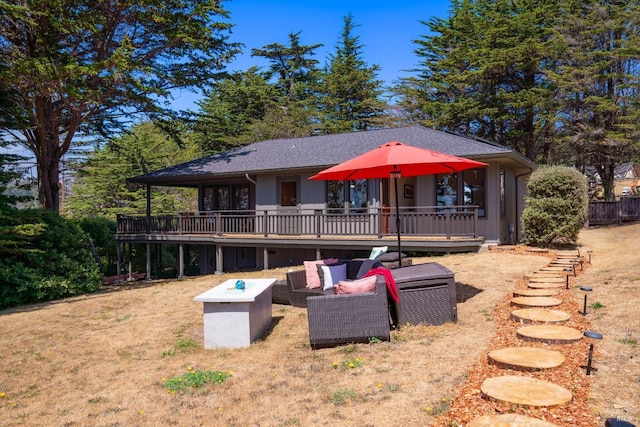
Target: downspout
<point>517,222</point>
<point>251,180</point>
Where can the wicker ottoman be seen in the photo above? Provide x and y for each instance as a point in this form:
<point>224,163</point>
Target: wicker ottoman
<point>427,294</point>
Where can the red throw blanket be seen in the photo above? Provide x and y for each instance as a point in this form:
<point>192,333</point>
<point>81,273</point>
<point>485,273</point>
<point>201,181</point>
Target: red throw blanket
<point>392,287</point>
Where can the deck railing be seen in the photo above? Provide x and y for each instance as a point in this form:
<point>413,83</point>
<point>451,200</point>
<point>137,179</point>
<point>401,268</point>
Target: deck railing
<point>443,221</point>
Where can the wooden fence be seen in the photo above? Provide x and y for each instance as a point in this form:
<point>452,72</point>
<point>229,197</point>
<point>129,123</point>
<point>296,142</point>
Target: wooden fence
<point>614,212</point>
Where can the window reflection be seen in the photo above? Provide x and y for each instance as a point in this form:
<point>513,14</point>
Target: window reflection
<point>220,198</point>
<point>355,192</point>
<point>358,195</point>
<point>288,193</point>
<point>447,191</point>
<point>468,191</point>
<point>335,195</point>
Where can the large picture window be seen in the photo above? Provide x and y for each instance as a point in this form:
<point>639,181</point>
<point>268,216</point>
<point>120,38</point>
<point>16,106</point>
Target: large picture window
<point>226,197</point>
<point>355,192</point>
<point>462,189</point>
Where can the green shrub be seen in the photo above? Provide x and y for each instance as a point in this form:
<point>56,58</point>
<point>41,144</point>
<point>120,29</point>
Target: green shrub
<point>102,232</point>
<point>53,261</point>
<point>556,206</point>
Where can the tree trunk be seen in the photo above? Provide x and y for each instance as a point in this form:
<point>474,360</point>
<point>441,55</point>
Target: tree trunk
<point>607,176</point>
<point>49,182</point>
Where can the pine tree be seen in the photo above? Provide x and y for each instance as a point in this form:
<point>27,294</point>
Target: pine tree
<point>350,89</point>
<point>482,73</point>
<point>295,74</point>
<point>70,68</point>
<point>100,187</point>
<point>599,82</point>
<point>231,107</point>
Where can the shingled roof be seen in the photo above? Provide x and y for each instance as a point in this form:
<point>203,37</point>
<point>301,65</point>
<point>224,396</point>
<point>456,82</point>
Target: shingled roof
<point>317,152</point>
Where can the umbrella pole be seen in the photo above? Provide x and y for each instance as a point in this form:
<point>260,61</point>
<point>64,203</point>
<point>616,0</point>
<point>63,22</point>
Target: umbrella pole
<point>395,183</point>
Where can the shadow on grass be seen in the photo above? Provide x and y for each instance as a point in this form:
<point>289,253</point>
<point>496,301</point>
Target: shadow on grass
<point>465,292</point>
<point>102,290</point>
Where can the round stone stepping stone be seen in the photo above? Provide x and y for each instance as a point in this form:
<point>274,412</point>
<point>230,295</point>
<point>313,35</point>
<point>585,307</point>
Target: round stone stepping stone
<point>545,285</point>
<point>527,357</point>
<point>557,269</point>
<point>536,301</point>
<point>525,391</point>
<point>540,315</point>
<point>568,253</point>
<point>574,261</point>
<point>508,420</point>
<point>552,334</point>
<point>548,279</point>
<point>563,264</point>
<point>538,250</point>
<point>542,277</point>
<point>535,293</point>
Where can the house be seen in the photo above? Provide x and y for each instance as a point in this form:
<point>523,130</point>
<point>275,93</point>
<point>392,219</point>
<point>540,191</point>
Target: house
<point>625,177</point>
<point>258,209</point>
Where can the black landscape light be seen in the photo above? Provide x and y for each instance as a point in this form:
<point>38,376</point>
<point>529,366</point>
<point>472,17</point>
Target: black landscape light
<point>593,338</point>
<point>586,290</point>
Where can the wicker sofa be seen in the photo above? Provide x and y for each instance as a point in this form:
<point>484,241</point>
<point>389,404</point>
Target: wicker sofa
<point>348,318</point>
<point>297,282</point>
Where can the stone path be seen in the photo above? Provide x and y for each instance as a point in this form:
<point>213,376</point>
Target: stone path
<point>538,324</point>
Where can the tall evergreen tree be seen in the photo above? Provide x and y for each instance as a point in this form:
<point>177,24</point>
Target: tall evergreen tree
<point>482,72</point>
<point>70,67</point>
<point>231,107</point>
<point>100,187</point>
<point>599,83</point>
<point>351,92</point>
<point>295,74</point>
<point>292,66</point>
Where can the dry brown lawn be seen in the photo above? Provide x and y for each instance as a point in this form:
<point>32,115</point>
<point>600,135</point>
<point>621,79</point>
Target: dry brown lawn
<point>101,359</point>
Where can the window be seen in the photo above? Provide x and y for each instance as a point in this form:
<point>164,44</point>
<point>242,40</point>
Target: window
<point>468,191</point>
<point>335,195</point>
<point>355,192</point>
<point>219,198</point>
<point>288,193</point>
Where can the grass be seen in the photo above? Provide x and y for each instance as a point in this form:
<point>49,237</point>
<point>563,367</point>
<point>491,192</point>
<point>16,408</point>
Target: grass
<point>439,407</point>
<point>99,360</point>
<point>193,379</point>
<point>628,340</point>
<point>350,363</point>
<point>343,395</point>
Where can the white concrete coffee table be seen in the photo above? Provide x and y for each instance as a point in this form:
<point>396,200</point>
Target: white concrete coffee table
<point>235,318</point>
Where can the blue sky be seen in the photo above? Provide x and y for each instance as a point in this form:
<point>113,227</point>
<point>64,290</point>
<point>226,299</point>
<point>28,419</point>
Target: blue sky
<point>386,30</point>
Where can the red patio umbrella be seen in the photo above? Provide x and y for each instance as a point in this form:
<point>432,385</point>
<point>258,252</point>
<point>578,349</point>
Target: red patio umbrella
<point>394,160</point>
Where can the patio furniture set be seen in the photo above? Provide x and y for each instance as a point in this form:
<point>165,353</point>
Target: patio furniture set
<point>426,294</point>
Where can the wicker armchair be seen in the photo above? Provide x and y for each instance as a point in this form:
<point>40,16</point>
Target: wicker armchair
<point>341,319</point>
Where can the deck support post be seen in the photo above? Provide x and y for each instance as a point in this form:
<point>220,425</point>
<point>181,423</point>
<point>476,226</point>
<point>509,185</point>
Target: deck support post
<point>219,260</point>
<point>118,263</point>
<point>130,263</point>
<point>180,261</point>
<point>148,261</point>
<point>265,258</point>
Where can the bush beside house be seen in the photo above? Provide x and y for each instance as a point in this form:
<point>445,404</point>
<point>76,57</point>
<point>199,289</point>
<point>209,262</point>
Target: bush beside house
<point>556,206</point>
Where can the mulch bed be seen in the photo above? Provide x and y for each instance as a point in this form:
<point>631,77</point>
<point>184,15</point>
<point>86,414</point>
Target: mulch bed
<point>470,403</point>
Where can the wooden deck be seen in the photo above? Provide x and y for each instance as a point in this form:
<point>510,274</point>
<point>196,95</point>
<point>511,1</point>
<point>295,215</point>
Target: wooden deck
<point>422,229</point>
